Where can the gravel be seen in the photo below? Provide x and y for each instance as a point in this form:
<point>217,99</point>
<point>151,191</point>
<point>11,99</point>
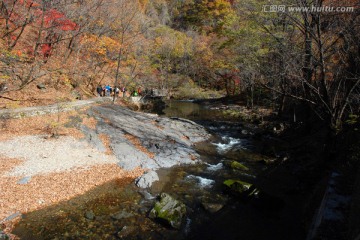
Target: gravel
<point>43,156</point>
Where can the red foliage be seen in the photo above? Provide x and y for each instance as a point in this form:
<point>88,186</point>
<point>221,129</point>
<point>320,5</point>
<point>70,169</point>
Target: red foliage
<point>68,25</point>
<point>29,3</point>
<point>54,18</point>
<point>53,15</point>
<point>46,50</point>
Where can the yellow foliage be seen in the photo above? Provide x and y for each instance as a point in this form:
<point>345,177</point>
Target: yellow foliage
<point>100,45</point>
<point>67,80</point>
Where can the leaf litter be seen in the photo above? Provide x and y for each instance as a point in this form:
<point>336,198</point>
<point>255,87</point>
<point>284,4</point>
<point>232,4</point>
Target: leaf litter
<point>47,188</point>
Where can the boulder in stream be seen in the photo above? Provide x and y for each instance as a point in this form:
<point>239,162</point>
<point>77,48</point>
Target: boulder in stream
<point>213,203</point>
<point>89,215</point>
<point>212,207</point>
<point>237,186</point>
<point>169,210</point>
<point>147,179</point>
<point>236,165</point>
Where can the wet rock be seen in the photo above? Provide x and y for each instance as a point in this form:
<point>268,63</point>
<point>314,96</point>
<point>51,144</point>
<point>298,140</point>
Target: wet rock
<point>269,161</point>
<point>212,207</point>
<point>90,215</point>
<point>213,204</point>
<point>169,210</point>
<point>147,179</point>
<point>127,231</point>
<point>237,186</point>
<point>146,195</point>
<point>143,210</point>
<point>122,214</point>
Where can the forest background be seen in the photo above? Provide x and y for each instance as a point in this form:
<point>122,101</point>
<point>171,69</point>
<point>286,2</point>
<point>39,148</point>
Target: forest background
<point>258,50</point>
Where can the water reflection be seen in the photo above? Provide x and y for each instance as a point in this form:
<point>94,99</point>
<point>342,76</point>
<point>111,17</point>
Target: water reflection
<point>184,109</point>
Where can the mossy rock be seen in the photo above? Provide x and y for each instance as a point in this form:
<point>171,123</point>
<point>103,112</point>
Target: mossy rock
<point>237,186</point>
<point>236,165</point>
<point>169,210</point>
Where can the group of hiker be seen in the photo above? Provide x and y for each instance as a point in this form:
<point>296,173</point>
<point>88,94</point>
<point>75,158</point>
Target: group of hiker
<point>107,91</point>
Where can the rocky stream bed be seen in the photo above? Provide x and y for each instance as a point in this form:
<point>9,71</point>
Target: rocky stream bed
<point>204,179</point>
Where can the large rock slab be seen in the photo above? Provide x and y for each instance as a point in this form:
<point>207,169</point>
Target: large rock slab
<point>160,142</point>
<point>169,141</point>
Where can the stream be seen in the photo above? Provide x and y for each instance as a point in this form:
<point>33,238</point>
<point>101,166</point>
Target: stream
<point>115,211</point>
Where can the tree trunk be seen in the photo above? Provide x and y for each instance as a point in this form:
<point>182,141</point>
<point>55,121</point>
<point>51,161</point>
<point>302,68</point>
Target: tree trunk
<point>117,74</point>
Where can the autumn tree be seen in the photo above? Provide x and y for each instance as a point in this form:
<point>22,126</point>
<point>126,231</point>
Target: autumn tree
<point>34,40</point>
<point>15,16</point>
<point>171,53</point>
<point>202,15</point>
<point>309,56</point>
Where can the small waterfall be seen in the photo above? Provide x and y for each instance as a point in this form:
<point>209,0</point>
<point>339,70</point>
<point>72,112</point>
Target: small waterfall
<point>202,182</point>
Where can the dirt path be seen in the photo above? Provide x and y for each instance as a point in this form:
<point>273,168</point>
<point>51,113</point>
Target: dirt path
<point>54,108</point>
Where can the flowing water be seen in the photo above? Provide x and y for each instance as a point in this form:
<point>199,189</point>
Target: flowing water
<point>116,211</point>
